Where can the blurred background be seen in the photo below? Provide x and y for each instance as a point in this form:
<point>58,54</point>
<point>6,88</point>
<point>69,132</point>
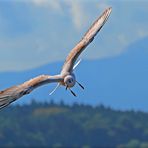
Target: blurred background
<point>35,38</point>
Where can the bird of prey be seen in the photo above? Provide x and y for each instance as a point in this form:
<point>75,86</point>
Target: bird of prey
<point>66,78</point>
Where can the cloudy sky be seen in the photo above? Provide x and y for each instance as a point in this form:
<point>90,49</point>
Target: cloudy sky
<point>37,32</point>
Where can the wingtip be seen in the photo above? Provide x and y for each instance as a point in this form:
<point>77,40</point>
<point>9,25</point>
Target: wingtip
<point>107,12</point>
<point>109,9</point>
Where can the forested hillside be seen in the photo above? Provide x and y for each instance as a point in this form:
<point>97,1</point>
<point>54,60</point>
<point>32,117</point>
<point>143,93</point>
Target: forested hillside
<point>60,125</point>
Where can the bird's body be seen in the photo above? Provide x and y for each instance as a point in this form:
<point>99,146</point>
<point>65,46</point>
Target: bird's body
<point>66,78</point>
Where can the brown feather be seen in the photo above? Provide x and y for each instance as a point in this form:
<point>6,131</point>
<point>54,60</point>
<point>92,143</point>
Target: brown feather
<point>86,40</point>
<point>11,94</point>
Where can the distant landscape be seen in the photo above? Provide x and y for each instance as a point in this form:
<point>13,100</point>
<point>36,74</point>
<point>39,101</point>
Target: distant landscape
<point>59,125</point>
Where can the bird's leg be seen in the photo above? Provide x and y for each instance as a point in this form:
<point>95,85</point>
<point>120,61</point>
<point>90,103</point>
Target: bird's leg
<point>66,87</point>
<point>72,92</point>
<point>80,85</point>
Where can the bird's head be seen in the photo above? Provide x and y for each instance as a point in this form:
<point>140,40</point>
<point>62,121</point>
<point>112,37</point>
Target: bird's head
<point>69,81</point>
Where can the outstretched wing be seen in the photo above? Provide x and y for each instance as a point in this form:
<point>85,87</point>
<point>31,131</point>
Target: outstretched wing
<point>11,94</point>
<point>86,40</point>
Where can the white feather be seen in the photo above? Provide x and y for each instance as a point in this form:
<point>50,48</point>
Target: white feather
<point>77,64</point>
<point>58,85</point>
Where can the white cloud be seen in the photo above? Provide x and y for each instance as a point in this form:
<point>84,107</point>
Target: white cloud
<point>102,5</point>
<point>78,16</point>
<point>51,35</point>
<point>40,2</point>
<point>122,39</point>
<point>141,33</point>
<point>75,9</point>
<point>52,4</point>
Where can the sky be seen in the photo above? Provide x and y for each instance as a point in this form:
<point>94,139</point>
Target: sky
<point>37,32</point>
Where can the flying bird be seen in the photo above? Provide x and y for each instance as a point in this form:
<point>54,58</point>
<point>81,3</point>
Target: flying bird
<point>66,77</point>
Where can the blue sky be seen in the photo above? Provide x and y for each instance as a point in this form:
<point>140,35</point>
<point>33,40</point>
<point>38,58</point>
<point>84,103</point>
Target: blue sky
<point>37,32</point>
